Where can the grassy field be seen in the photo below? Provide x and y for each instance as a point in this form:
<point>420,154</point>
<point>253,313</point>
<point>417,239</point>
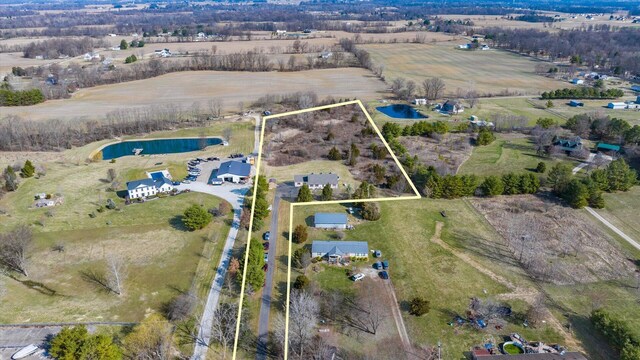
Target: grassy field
<point>185,88</point>
<point>162,258</point>
<point>421,267</point>
<point>509,153</point>
<point>488,71</point>
<point>622,211</point>
<point>286,173</point>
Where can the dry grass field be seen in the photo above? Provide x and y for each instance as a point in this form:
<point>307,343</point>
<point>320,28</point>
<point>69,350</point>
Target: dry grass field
<point>482,21</point>
<point>490,71</point>
<point>185,88</point>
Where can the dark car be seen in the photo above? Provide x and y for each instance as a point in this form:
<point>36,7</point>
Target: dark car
<point>385,264</point>
<point>384,275</point>
<point>266,235</point>
<point>265,267</point>
<point>377,265</point>
<point>265,245</point>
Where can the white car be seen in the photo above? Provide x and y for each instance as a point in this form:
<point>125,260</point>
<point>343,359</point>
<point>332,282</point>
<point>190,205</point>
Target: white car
<point>357,277</point>
<point>25,351</point>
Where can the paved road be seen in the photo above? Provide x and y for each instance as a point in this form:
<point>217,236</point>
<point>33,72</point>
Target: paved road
<point>615,229</point>
<point>265,305</point>
<point>234,194</point>
<point>588,161</point>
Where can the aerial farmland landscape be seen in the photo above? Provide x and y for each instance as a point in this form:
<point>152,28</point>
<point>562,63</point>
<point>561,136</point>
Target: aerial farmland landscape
<point>320,180</point>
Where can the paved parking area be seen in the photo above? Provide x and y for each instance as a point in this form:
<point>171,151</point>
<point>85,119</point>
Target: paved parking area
<point>14,338</point>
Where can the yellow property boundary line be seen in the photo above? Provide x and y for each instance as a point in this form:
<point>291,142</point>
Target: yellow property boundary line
<point>293,205</point>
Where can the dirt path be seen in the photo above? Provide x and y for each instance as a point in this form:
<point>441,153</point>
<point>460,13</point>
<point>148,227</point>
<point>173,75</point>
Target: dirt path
<point>397,317</point>
<point>528,294</point>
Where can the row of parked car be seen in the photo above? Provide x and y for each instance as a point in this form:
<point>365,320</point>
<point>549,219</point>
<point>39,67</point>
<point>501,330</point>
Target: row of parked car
<point>383,266</point>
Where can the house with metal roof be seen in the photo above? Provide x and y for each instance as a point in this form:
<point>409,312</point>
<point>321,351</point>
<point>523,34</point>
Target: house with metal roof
<point>317,181</point>
<point>338,250</point>
<point>571,144</point>
<point>234,171</point>
<point>330,220</point>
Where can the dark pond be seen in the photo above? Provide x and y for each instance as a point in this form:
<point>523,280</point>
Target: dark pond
<point>401,111</point>
<point>158,146</point>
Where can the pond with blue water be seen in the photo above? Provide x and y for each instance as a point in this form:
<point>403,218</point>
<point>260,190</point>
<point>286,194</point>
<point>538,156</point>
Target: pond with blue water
<point>401,111</point>
<point>157,146</point>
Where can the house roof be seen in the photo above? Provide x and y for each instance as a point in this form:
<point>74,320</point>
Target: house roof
<point>608,146</point>
<point>131,185</point>
<point>317,179</point>
<point>569,143</point>
<point>566,356</point>
<point>339,247</point>
<point>236,168</point>
<point>330,218</point>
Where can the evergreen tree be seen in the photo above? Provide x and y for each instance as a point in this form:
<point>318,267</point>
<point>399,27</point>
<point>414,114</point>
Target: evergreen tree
<point>10,179</point>
<point>327,193</point>
<point>620,177</point>
<point>595,198</point>
<point>469,184</point>
<point>492,186</point>
<point>364,191</point>
<point>559,176</point>
<point>371,211</point>
<point>529,184</point>
<point>196,217</point>
<point>576,194</point>
<point>304,194</point>
<point>452,187</point>
<point>301,283</point>
<point>354,152</point>
<point>599,177</point>
<point>541,168</point>
<point>334,154</point>
<point>511,184</point>
<point>123,44</point>
<point>485,136</point>
<point>255,263</point>
<point>28,170</point>
<point>300,234</point>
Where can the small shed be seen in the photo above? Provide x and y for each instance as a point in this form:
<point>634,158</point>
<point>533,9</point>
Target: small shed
<point>576,103</point>
<point>617,105</point>
<point>608,147</point>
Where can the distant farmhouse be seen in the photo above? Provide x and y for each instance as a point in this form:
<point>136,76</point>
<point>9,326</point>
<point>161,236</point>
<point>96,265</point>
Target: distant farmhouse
<point>576,81</point>
<point>624,105</point>
<point>233,171</point>
<point>420,101</point>
<point>162,53</point>
<point>317,181</point>
<point>339,250</point>
<point>330,220</point>
<point>149,187</point>
<point>451,107</point>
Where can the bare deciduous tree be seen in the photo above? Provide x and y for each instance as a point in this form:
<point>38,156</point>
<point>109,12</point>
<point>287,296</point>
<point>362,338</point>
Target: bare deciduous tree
<point>303,317</point>
<point>111,175</point>
<point>224,326</point>
<point>14,247</point>
<point>433,88</point>
<point>116,274</point>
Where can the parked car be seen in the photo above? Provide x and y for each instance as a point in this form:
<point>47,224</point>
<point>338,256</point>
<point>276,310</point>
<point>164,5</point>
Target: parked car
<point>377,253</point>
<point>265,245</point>
<point>385,264</point>
<point>383,274</point>
<point>176,183</point>
<point>377,265</point>
<point>266,235</point>
<point>265,267</point>
<point>357,277</point>
<point>266,257</point>
<point>186,181</point>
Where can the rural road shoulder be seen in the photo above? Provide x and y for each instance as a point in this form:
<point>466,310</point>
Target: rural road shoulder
<point>234,194</point>
<point>265,303</point>
<point>626,237</point>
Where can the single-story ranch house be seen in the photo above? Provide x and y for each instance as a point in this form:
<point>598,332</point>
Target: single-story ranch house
<point>234,171</point>
<point>330,220</point>
<point>338,250</point>
<point>148,187</point>
<point>317,181</point>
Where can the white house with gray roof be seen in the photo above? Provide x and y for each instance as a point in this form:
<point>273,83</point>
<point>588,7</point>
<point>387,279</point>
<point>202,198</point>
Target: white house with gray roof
<point>317,181</point>
<point>337,250</point>
<point>148,187</point>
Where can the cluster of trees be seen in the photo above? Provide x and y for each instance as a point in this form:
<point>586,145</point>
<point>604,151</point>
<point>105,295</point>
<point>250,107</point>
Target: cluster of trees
<point>618,176</point>
<point>614,50</point>
<point>619,333</point>
<point>583,92</point>
<point>602,127</point>
<point>391,130</point>
<point>432,88</point>
<point>261,209</point>
<point>255,276</point>
<point>76,343</point>
<point>54,48</point>
<point>130,59</point>
<point>10,97</point>
<point>510,184</point>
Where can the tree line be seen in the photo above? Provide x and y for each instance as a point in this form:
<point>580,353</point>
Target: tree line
<point>54,48</point>
<point>9,97</point>
<point>582,92</point>
<point>618,332</point>
<point>602,127</point>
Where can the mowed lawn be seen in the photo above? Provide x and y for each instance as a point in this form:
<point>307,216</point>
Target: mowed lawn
<point>183,89</point>
<point>622,211</point>
<point>421,267</point>
<point>508,153</point>
<point>487,71</point>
